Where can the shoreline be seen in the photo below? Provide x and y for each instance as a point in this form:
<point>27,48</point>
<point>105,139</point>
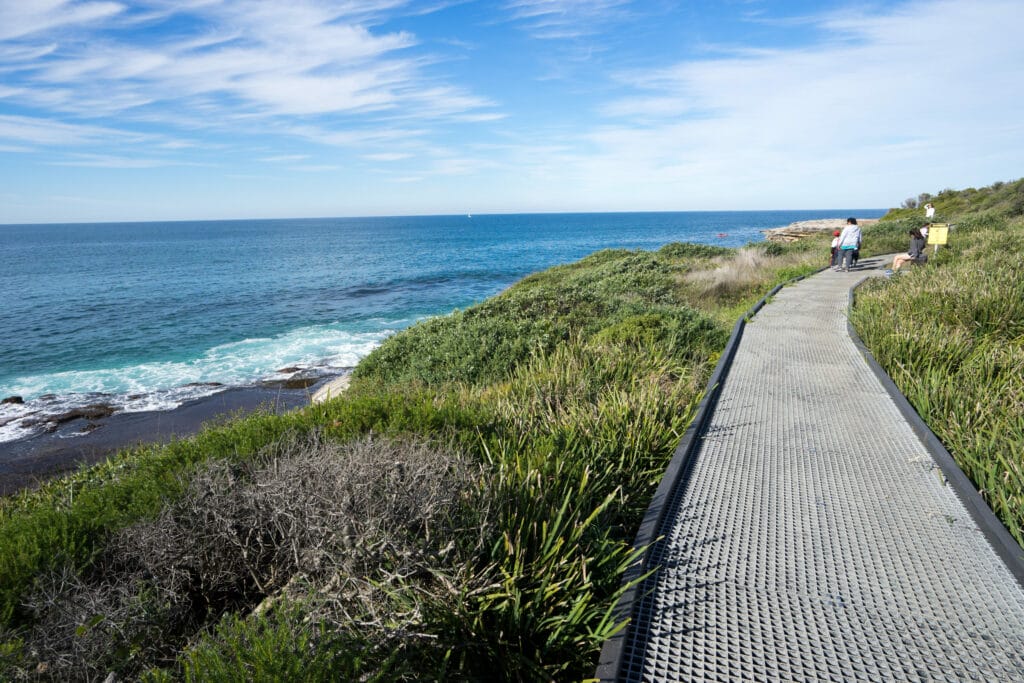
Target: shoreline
<point>26,463</point>
<point>800,229</point>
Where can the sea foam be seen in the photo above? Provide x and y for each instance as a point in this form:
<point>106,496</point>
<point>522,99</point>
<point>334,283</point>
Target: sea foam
<point>320,349</point>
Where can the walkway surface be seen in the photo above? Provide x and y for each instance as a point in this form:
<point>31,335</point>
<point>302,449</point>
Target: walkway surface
<point>814,537</point>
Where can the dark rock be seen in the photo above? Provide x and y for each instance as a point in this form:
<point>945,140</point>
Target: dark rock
<point>288,370</point>
<point>300,382</point>
<point>93,412</point>
<point>47,424</point>
<point>292,383</point>
<point>16,400</point>
<point>205,384</point>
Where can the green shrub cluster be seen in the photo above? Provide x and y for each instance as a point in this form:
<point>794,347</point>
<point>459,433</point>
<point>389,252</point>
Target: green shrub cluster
<point>484,343</point>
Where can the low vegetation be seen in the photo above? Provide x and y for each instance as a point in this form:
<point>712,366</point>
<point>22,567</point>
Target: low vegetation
<point>463,511</point>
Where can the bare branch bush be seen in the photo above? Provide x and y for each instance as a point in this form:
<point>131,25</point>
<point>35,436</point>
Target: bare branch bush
<point>346,526</point>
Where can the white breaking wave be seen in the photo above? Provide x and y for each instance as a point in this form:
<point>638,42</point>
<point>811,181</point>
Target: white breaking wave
<point>167,385</point>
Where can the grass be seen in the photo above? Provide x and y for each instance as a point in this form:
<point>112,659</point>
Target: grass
<point>560,401</point>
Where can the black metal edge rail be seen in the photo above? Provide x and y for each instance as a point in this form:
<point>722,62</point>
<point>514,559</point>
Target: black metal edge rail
<point>1004,544</point>
<point>610,661</point>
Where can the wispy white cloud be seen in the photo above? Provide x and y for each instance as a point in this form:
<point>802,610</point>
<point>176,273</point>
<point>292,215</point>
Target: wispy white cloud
<point>37,131</point>
<point>300,60</point>
<point>926,87</point>
<point>315,168</point>
<point>26,17</point>
<point>115,161</point>
<point>285,158</point>
<point>461,166</point>
<point>561,19</point>
<point>387,156</point>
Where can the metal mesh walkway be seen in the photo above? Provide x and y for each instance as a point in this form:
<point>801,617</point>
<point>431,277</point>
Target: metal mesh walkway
<point>814,537</point>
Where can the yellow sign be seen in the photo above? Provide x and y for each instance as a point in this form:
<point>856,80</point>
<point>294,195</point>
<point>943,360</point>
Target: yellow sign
<point>937,233</point>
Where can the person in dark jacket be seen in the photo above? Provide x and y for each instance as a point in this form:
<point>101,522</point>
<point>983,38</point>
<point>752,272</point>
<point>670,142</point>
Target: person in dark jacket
<point>915,253</point>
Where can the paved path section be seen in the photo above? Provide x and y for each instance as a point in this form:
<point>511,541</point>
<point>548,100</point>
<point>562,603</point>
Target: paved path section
<point>814,537</point>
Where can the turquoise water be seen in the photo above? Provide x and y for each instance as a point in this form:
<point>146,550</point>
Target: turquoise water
<point>145,316</point>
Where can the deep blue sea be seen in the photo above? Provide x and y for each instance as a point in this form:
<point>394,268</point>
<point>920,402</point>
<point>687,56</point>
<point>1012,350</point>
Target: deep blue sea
<point>145,316</point>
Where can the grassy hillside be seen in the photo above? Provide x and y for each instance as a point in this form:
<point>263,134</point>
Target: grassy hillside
<point>999,199</point>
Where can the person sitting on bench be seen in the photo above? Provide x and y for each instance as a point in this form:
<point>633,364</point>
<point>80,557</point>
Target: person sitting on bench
<point>916,252</point>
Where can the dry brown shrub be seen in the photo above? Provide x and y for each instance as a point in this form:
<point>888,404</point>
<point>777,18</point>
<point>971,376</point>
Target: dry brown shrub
<point>311,507</point>
<point>334,522</point>
<point>734,273</point>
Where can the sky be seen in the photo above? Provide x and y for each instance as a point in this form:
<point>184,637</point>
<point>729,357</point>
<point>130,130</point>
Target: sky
<point>118,110</point>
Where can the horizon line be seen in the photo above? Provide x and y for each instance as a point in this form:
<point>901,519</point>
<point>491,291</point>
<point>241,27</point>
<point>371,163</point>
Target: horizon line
<point>469,215</point>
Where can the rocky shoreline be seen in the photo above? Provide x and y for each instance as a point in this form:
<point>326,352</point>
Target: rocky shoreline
<point>85,436</point>
<point>801,229</point>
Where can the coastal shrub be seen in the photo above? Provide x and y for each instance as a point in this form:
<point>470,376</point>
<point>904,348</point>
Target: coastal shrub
<point>888,236</point>
<point>689,250</point>
<point>404,410</point>
<point>288,643</point>
<point>680,332</point>
<point>617,410</point>
<point>279,645</point>
<point>68,520</point>
<point>482,344</point>
<point>583,433</point>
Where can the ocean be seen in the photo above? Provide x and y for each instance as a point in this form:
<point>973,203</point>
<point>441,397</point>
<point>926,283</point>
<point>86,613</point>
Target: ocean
<point>148,316</point>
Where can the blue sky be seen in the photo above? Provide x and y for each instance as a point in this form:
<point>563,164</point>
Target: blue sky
<point>193,109</point>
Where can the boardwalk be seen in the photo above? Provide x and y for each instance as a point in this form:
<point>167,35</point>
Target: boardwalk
<point>814,536</point>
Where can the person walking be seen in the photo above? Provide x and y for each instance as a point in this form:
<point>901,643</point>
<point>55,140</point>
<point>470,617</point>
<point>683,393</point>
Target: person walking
<point>849,241</point>
<point>834,257</point>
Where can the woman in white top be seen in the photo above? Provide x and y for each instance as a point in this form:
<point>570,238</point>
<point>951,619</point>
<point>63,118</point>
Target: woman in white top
<point>849,241</point>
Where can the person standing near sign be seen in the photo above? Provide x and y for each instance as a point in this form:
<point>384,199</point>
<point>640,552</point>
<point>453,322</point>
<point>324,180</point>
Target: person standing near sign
<point>849,241</point>
<point>915,253</point>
